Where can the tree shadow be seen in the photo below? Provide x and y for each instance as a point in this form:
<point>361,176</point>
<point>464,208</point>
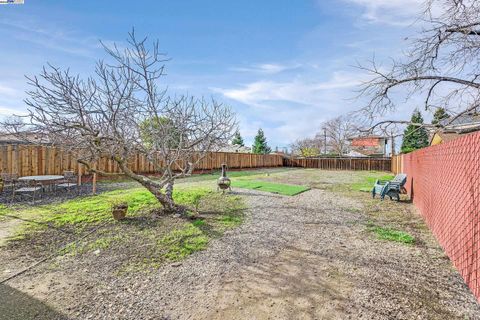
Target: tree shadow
<point>16,305</point>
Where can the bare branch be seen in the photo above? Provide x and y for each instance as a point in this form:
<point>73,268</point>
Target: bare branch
<point>123,111</point>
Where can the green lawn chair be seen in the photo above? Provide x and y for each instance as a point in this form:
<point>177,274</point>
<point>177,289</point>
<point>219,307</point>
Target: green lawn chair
<point>390,188</point>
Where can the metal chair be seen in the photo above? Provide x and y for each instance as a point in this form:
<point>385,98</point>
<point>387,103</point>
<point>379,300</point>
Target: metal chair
<point>8,181</point>
<point>69,181</point>
<point>27,187</point>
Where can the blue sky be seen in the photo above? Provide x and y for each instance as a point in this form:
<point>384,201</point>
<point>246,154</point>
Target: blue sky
<point>283,65</point>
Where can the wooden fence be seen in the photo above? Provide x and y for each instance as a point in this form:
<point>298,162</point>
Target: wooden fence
<point>378,164</point>
<point>41,160</point>
<point>397,165</point>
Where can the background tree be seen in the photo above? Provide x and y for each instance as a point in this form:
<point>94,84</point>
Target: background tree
<point>237,139</point>
<point>439,115</point>
<point>415,136</point>
<point>338,131</point>
<point>441,66</point>
<point>149,132</point>
<point>260,145</point>
<point>307,147</point>
<point>122,111</point>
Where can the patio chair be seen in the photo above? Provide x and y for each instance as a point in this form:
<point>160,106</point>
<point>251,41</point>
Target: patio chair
<point>390,188</point>
<point>69,181</point>
<point>8,181</point>
<point>28,188</point>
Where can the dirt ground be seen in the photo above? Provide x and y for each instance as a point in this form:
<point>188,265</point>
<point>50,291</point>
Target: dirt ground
<point>309,256</point>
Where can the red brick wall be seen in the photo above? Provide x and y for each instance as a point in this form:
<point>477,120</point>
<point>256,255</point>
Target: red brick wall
<point>445,183</point>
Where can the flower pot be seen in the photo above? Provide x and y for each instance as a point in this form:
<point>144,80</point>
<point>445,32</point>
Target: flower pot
<point>119,212</point>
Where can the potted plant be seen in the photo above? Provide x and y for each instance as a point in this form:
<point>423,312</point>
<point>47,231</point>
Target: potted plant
<point>119,209</point>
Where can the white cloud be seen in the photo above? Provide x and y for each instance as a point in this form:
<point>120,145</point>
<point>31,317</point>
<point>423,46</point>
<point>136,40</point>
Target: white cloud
<point>8,91</point>
<point>51,37</point>
<point>301,91</point>
<point>391,12</point>
<point>266,68</point>
<point>9,111</point>
<point>288,110</point>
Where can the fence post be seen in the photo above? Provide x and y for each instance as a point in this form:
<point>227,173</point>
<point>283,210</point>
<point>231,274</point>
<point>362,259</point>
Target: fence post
<point>79,170</point>
<point>94,182</point>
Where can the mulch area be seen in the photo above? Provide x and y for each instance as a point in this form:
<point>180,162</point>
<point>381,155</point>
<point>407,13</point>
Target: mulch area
<point>56,195</point>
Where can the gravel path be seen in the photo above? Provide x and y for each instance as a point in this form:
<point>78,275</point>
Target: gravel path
<point>302,257</point>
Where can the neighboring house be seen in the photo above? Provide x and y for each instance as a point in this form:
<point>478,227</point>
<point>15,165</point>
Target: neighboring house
<point>235,148</point>
<point>25,138</point>
<point>440,137</point>
<point>453,129</point>
<point>369,146</point>
<point>355,154</point>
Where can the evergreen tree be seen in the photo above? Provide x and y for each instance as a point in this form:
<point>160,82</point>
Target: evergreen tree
<point>237,139</point>
<point>260,145</point>
<point>414,137</point>
<point>439,115</point>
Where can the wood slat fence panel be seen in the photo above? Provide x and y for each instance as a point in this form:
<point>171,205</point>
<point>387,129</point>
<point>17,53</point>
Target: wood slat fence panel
<point>397,164</point>
<point>377,164</point>
<point>29,160</point>
<point>40,160</point>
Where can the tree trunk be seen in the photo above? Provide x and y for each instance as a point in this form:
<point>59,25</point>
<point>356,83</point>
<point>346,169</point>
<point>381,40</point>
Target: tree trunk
<point>166,200</point>
<point>169,190</point>
<point>155,188</point>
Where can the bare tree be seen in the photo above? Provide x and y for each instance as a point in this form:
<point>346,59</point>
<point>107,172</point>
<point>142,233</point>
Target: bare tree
<point>338,132</point>
<point>442,65</point>
<point>308,147</point>
<point>122,111</point>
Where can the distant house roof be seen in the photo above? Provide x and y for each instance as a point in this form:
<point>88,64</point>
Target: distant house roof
<point>354,153</point>
<point>464,123</point>
<point>235,148</point>
<point>455,128</point>
<point>368,141</point>
<point>23,138</point>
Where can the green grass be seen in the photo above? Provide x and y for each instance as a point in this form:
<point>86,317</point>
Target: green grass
<point>366,182</point>
<point>181,243</point>
<point>284,189</point>
<point>93,209</point>
<point>171,241</point>
<point>231,174</point>
<point>392,234</point>
<point>230,220</point>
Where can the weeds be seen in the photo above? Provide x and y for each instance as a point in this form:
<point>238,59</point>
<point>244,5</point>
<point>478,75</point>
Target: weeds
<point>391,234</point>
<point>182,242</point>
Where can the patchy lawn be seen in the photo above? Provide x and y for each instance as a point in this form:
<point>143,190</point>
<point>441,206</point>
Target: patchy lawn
<point>279,188</point>
<point>53,228</point>
<point>367,181</point>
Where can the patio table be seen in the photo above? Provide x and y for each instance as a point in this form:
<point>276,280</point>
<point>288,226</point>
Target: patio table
<point>44,180</point>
